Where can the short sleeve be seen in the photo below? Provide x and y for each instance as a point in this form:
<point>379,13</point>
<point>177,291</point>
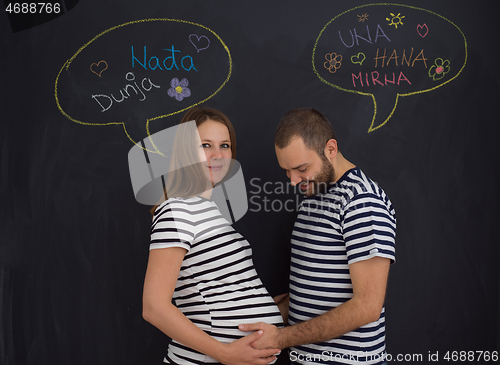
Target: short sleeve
<point>172,226</point>
<point>369,228</point>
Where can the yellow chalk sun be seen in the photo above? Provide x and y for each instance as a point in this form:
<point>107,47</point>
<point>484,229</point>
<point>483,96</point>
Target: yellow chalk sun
<point>395,20</point>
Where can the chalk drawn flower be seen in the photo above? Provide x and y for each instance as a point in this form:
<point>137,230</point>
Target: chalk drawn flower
<point>334,61</point>
<point>179,89</point>
<point>439,69</point>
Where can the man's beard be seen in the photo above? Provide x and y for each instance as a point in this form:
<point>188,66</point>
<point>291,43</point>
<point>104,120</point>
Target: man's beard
<point>321,183</point>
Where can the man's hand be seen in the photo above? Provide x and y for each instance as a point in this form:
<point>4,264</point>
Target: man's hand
<point>270,338</point>
<point>240,352</point>
<point>282,301</point>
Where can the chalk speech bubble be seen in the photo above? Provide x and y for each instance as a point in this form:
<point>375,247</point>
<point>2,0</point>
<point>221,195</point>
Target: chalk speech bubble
<point>387,51</point>
<point>142,71</point>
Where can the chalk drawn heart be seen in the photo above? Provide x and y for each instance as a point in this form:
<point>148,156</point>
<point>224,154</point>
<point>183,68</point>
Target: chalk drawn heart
<point>358,59</point>
<point>200,43</point>
<point>422,30</point>
<point>98,69</point>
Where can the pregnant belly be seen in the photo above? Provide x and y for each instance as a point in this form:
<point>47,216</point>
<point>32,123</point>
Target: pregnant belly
<point>225,322</point>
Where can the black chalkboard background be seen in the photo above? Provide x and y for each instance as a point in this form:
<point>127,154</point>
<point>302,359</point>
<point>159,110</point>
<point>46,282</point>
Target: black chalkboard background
<point>74,242</point>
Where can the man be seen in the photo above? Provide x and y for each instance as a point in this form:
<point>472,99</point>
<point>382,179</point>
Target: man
<point>342,246</point>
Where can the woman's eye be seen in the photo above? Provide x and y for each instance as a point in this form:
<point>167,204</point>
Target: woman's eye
<point>225,145</point>
<point>205,145</point>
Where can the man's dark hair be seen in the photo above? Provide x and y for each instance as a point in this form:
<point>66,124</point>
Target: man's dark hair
<point>307,123</point>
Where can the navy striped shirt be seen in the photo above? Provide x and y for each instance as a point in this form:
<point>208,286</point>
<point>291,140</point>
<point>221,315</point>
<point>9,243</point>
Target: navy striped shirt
<point>218,287</point>
<point>353,221</point>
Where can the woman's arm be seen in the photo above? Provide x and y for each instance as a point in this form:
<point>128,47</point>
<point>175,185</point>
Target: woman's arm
<point>159,285</point>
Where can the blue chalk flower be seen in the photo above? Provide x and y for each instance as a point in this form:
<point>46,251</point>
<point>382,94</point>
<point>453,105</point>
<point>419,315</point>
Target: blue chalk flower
<point>179,89</point>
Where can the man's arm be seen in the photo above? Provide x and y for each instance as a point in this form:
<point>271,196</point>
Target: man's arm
<point>369,282</point>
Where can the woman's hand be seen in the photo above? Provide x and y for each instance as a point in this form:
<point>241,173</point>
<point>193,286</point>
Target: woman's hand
<point>240,352</point>
<point>270,339</point>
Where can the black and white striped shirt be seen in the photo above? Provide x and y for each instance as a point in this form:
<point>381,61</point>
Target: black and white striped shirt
<point>353,221</point>
<point>218,287</point>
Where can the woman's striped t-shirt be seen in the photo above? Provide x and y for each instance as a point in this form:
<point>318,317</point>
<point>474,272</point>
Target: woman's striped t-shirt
<point>353,221</point>
<point>218,287</point>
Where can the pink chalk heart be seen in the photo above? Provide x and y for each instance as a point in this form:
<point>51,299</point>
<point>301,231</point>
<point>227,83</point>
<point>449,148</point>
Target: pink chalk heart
<point>99,68</point>
<point>200,43</point>
<point>422,30</point>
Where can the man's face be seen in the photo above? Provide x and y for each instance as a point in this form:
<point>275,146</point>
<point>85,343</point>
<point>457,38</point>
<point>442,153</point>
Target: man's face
<point>305,167</point>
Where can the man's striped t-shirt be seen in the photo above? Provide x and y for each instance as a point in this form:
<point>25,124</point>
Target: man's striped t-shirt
<point>218,287</point>
<point>353,221</point>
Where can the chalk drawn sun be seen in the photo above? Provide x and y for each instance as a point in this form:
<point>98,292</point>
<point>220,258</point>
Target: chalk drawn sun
<point>395,20</point>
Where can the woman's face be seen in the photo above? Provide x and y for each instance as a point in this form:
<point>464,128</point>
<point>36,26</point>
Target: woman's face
<point>216,145</point>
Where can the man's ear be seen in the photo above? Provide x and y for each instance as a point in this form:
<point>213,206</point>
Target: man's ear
<point>331,149</point>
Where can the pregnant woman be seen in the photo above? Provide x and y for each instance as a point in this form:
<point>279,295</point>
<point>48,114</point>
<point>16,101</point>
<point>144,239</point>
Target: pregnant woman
<point>200,282</point>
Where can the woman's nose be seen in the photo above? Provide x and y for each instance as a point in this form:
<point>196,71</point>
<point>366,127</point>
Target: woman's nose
<point>215,153</point>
